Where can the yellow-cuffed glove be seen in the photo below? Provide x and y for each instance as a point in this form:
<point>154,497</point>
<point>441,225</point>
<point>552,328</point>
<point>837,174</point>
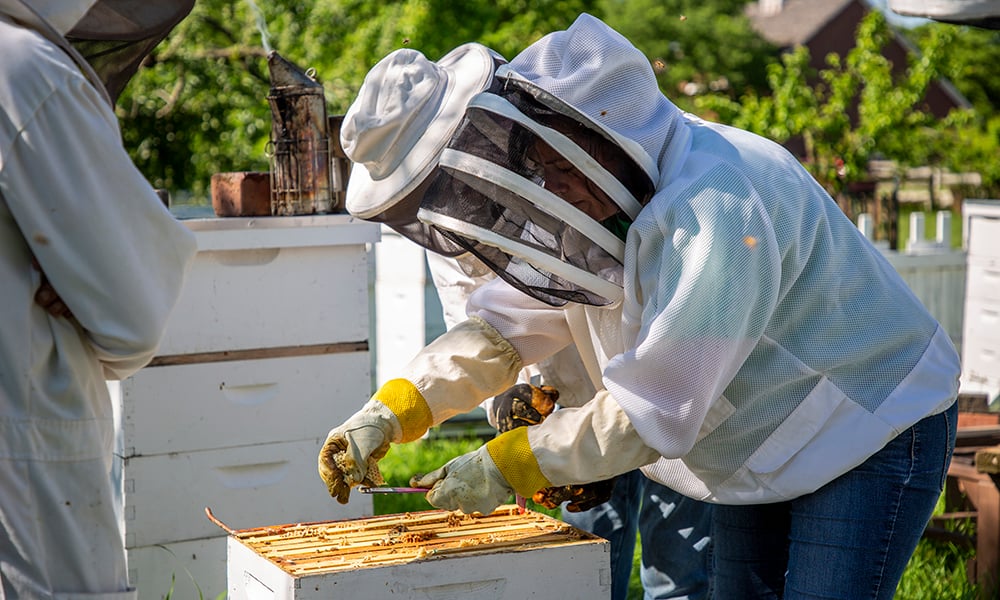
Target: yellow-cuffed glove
<point>485,478</point>
<point>396,413</point>
<point>350,454</point>
<point>449,376</point>
<point>470,483</point>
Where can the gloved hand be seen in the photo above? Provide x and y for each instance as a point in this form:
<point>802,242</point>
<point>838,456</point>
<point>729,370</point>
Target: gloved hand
<point>579,497</point>
<point>470,483</point>
<point>525,404</point>
<point>522,405</point>
<point>351,452</point>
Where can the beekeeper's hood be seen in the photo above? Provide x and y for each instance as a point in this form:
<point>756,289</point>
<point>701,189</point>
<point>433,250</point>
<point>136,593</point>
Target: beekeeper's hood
<point>579,105</point>
<point>406,111</point>
<point>597,70</point>
<point>113,36</point>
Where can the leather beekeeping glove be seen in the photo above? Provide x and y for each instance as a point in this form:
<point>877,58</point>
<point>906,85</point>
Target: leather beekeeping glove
<point>585,444</point>
<point>351,452</point>
<point>579,497</point>
<point>591,443</point>
<point>451,375</point>
<point>525,404</point>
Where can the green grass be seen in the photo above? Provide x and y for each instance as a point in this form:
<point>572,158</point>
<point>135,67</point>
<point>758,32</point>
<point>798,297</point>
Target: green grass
<point>930,226</point>
<point>935,572</point>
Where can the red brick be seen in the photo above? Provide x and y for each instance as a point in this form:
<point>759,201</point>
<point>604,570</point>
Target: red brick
<point>241,194</point>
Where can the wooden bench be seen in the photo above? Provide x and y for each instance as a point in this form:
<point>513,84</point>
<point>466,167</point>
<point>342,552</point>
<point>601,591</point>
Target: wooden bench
<point>988,520</point>
<point>972,492</point>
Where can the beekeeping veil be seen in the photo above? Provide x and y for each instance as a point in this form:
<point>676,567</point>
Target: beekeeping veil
<point>501,193</point>
<point>592,77</point>
<point>112,36</point>
<point>115,36</point>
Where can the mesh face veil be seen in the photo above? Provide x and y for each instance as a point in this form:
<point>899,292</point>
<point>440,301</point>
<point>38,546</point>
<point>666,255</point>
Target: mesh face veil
<point>115,36</point>
<point>540,193</point>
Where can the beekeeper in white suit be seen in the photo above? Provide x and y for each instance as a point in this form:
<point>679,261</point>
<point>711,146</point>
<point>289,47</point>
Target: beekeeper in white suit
<point>610,508</point>
<point>92,264</point>
<point>756,351</point>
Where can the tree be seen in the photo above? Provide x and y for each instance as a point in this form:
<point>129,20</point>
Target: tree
<point>969,63</point>
<point>848,113</point>
<point>697,46</point>
<point>199,106</point>
<point>970,141</point>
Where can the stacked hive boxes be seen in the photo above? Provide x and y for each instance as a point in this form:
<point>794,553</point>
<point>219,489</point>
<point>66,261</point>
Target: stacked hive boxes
<point>265,352</point>
<point>981,329</point>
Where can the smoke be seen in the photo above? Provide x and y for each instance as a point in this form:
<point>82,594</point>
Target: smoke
<point>265,37</point>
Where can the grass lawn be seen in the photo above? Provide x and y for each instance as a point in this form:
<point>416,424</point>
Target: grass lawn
<point>930,226</point>
<point>936,570</point>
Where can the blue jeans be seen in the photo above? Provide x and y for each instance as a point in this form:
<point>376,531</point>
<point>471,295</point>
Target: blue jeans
<point>676,549</point>
<point>850,539</point>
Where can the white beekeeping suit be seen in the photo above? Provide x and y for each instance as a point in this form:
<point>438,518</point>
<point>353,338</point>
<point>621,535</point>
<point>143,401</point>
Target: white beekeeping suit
<point>743,330</point>
<point>755,351</point>
<point>455,279</point>
<point>717,353</point>
<point>77,219</point>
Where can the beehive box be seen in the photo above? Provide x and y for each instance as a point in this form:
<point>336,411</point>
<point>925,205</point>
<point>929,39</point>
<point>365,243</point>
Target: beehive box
<point>438,555</point>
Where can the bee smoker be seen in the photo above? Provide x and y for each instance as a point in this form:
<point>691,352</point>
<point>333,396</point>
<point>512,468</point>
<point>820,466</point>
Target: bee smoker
<point>300,158</point>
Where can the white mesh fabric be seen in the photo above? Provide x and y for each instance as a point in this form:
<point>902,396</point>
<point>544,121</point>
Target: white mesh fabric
<point>535,329</point>
<point>595,69</point>
<point>744,283</point>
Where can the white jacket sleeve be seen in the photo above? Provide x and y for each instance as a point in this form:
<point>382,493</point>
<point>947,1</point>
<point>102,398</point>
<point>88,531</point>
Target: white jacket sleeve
<point>112,251</point>
<point>589,443</point>
<point>455,279</point>
<point>535,329</point>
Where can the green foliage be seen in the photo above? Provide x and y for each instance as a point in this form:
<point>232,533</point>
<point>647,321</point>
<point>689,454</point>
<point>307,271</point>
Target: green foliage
<point>853,110</point>
<point>970,142</point>
<point>682,39</point>
<point>937,569</point>
<point>969,63</point>
<point>200,107</point>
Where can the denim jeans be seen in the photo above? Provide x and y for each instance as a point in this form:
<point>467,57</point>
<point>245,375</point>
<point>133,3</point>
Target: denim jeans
<point>674,531</point>
<point>851,539</point>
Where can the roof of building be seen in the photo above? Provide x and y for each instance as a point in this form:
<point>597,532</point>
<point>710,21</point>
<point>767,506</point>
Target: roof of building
<point>797,21</point>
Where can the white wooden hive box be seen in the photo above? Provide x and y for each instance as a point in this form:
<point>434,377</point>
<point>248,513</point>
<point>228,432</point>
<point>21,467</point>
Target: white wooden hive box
<point>437,555</point>
<point>268,283</point>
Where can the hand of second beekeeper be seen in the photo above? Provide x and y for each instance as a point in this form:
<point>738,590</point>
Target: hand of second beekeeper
<point>351,452</point>
<point>470,483</point>
<point>523,405</point>
<point>578,497</point>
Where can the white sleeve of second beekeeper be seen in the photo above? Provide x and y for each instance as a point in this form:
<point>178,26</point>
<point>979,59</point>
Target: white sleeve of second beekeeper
<point>457,279</point>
